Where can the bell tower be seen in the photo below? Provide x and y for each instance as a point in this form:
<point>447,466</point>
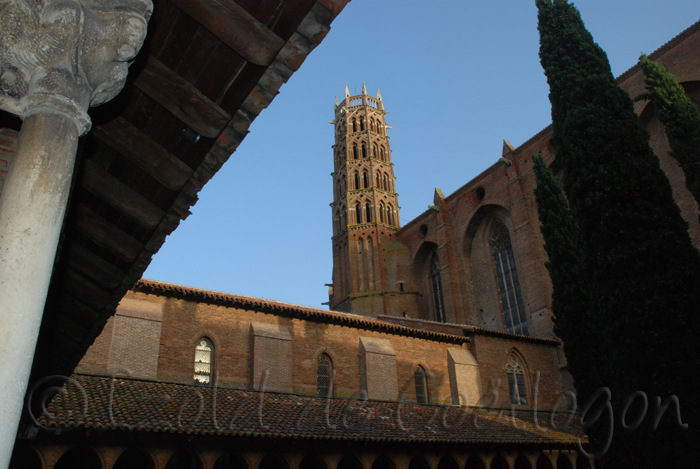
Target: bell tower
<point>365,205</point>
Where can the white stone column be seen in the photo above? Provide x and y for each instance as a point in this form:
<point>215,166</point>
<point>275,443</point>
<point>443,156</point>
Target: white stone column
<point>57,58</point>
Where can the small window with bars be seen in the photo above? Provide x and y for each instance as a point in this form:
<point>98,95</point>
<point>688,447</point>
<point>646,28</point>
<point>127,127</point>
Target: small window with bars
<point>203,361</point>
<point>323,375</point>
<point>421,385</point>
<point>516,381</point>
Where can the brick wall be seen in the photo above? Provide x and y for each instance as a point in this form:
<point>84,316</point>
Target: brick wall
<point>247,341</point>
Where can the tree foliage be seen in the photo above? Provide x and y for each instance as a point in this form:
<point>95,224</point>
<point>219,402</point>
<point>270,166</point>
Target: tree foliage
<point>639,267</point>
<point>679,115</point>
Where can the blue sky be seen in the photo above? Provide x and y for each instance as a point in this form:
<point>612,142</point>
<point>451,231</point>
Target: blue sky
<point>457,77</point>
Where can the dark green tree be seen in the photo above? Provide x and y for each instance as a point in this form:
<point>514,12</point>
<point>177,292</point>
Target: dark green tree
<point>570,297</point>
<point>641,269</point>
<point>680,117</point>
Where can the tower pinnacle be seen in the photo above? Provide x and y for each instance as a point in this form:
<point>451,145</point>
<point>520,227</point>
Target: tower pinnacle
<point>347,92</point>
<point>379,94</point>
<point>364,89</point>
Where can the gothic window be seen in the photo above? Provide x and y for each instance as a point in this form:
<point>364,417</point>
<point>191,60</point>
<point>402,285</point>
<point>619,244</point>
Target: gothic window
<point>324,371</point>
<point>338,188</point>
<point>355,153</point>
<point>375,153</point>
<point>342,186</point>
<point>354,125</point>
<point>358,212</point>
<point>381,212</point>
<point>381,153</point>
<point>385,183</point>
<point>368,210</point>
<point>371,124</point>
<point>419,377</point>
<point>378,180</point>
<point>516,381</point>
<point>508,284</point>
<point>365,178</point>
<point>364,150</point>
<point>362,123</point>
<point>436,284</point>
<point>357,180</point>
<point>390,214</point>
<point>203,361</point>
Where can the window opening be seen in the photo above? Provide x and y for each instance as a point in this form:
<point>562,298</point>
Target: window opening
<point>437,288</point>
<point>323,375</point>
<point>508,283</point>
<point>516,381</point>
<point>202,361</point>
<point>421,385</point>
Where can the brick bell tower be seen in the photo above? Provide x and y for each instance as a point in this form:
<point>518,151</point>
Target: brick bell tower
<point>365,205</point>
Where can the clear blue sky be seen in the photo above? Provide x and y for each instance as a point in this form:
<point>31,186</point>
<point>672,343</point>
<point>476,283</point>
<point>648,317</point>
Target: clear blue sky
<point>458,77</point>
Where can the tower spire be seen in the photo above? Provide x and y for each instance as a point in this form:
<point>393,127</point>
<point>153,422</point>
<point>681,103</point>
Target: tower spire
<point>347,91</point>
<point>336,101</point>
<point>364,88</point>
<point>379,94</point>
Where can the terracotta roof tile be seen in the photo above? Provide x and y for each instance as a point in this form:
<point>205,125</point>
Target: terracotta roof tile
<point>132,405</point>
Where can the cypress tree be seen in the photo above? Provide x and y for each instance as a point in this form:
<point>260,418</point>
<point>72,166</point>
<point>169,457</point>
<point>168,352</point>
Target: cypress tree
<point>641,269</point>
<point>570,298</point>
<point>680,117</point>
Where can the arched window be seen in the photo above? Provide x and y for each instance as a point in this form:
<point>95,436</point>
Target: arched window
<point>381,212</point>
<point>354,125</point>
<point>338,188</point>
<point>357,180</point>
<point>362,123</point>
<point>203,361</point>
<point>419,377</point>
<point>378,180</point>
<point>343,185</point>
<point>365,179</point>
<point>381,153</point>
<point>508,284</point>
<point>437,288</point>
<point>323,375</point>
<point>355,153</point>
<point>371,124</point>
<point>385,184</point>
<point>375,153</point>
<point>368,211</point>
<point>516,381</point>
<point>364,150</point>
<point>390,214</point>
<point>358,212</point>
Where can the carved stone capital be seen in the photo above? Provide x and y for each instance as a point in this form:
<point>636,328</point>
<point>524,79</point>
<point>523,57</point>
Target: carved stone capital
<point>62,56</point>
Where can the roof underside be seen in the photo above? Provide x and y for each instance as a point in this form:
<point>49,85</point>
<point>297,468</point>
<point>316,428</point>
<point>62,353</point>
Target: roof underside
<point>207,68</point>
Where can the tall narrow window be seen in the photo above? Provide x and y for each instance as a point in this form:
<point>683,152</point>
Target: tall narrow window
<point>516,381</point>
<point>375,153</point>
<point>362,123</point>
<point>384,184</point>
<point>378,180</point>
<point>437,288</point>
<point>368,212</point>
<point>364,150</point>
<point>365,178</point>
<point>202,361</point>
<point>354,125</point>
<point>381,153</point>
<point>357,180</point>
<point>358,213</point>
<point>390,214</point>
<point>381,213</point>
<point>508,284</point>
<point>419,377</point>
<point>324,371</point>
<point>355,153</point>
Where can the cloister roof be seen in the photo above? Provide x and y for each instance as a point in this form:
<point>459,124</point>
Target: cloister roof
<point>145,406</point>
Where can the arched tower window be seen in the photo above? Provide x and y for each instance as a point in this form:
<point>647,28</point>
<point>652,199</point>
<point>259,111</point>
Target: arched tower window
<point>358,212</point>
<point>364,150</point>
<point>371,124</point>
<point>436,284</point>
<point>324,369</point>
<point>355,153</point>
<point>375,153</point>
<point>381,154</point>
<point>508,284</point>
<point>357,180</point>
<point>419,377</point>
<point>384,183</point>
<point>362,123</point>
<point>390,214</point>
<point>378,180</point>
<point>516,381</point>
<point>354,125</point>
<point>365,179</point>
<point>203,361</point>
<point>381,212</point>
<point>368,211</point>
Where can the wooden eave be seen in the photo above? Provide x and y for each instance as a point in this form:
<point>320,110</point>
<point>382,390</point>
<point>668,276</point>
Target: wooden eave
<point>207,68</point>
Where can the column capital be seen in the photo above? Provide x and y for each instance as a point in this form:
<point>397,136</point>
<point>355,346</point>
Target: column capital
<point>62,56</point>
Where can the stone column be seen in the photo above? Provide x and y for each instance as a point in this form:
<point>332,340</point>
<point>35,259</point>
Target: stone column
<point>57,58</point>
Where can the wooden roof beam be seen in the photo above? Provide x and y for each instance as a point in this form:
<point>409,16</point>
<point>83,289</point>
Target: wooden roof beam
<point>235,27</point>
<point>182,99</point>
<point>145,153</point>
